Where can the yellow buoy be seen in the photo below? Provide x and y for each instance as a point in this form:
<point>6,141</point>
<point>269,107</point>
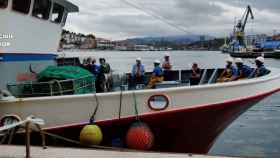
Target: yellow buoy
<point>91,135</point>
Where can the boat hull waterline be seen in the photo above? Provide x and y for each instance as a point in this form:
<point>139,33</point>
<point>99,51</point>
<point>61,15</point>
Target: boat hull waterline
<point>191,123</point>
<point>256,54</point>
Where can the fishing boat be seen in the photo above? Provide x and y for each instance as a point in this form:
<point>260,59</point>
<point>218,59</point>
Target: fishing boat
<point>238,48</point>
<point>183,118</point>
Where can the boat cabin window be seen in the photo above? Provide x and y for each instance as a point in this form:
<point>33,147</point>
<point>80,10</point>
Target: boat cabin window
<point>42,9</point>
<point>21,6</point>
<point>57,13</point>
<point>64,18</point>
<point>3,3</point>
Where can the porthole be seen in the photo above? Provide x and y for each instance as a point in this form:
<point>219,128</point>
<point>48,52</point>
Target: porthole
<point>9,119</point>
<point>158,102</point>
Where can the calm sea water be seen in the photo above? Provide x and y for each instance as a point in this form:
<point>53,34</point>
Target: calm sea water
<point>255,133</point>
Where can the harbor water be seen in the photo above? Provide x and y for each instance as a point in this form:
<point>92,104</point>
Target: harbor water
<point>255,133</point>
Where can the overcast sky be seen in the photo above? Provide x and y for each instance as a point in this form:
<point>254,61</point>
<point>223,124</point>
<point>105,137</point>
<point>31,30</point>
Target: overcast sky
<point>115,19</point>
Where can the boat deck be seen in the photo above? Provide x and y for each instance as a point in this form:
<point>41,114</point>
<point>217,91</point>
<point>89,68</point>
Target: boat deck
<point>52,152</point>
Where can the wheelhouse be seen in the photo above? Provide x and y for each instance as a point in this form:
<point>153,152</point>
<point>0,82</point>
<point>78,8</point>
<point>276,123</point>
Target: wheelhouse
<point>30,35</point>
<point>54,11</point>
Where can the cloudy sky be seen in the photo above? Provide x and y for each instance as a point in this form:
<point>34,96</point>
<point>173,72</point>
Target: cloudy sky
<point>120,19</point>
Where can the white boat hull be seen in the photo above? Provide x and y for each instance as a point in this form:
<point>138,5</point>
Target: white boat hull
<point>195,117</point>
<point>76,109</point>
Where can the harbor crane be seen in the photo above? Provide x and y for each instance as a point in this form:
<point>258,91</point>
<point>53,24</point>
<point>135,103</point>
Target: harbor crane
<point>239,29</point>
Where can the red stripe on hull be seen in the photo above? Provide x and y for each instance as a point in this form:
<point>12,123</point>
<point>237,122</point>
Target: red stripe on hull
<point>192,130</point>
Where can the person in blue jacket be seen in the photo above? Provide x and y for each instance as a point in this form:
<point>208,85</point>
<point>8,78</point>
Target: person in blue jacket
<point>157,75</point>
<point>244,71</point>
<point>261,70</point>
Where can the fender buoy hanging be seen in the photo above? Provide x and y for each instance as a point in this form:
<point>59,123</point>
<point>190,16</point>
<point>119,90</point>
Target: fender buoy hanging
<point>91,134</point>
<point>140,137</point>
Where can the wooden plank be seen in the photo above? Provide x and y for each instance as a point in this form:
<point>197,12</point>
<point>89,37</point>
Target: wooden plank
<point>52,152</point>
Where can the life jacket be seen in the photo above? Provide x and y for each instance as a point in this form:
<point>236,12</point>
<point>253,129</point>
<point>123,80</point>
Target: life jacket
<point>228,73</point>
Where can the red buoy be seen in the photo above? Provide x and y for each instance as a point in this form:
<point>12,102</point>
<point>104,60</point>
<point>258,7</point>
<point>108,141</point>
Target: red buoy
<point>140,137</point>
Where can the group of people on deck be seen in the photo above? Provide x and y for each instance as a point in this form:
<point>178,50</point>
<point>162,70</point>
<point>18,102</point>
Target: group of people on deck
<point>160,72</point>
<point>234,70</point>
<point>241,70</point>
<point>101,71</point>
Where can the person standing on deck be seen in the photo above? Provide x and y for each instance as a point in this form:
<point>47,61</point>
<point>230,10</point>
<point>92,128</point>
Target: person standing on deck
<point>104,76</point>
<point>229,73</point>
<point>157,75</point>
<point>138,73</point>
<point>167,66</point>
<point>87,64</point>
<point>196,75</point>
<point>95,69</point>
<point>261,69</point>
<point>243,70</point>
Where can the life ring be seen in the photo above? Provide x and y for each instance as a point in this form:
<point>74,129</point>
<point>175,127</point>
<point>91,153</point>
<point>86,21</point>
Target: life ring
<point>11,117</point>
<point>162,102</point>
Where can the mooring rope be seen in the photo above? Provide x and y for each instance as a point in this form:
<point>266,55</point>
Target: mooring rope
<point>120,106</point>
<point>92,118</point>
<point>135,106</point>
<point>78,142</point>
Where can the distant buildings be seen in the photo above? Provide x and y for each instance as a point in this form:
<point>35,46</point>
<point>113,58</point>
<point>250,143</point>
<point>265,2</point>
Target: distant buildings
<point>72,40</point>
<point>104,44</point>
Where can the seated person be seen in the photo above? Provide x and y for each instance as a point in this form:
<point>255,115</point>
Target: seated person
<point>261,69</point>
<point>157,75</point>
<point>196,75</point>
<point>167,66</point>
<point>243,70</point>
<point>138,73</point>
<point>230,72</point>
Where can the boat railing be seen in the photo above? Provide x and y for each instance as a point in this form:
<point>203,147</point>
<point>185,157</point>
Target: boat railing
<point>182,77</point>
<point>52,88</point>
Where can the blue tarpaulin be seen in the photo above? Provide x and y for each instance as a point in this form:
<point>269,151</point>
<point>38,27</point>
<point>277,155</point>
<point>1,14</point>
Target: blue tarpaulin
<point>271,45</point>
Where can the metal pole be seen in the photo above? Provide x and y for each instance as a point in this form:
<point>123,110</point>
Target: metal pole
<point>42,136</point>
<point>27,131</point>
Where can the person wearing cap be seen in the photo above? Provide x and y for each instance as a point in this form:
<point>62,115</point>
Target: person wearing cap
<point>243,70</point>
<point>229,73</point>
<point>138,73</point>
<point>167,66</point>
<point>157,75</point>
<point>196,75</point>
<point>261,70</point>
